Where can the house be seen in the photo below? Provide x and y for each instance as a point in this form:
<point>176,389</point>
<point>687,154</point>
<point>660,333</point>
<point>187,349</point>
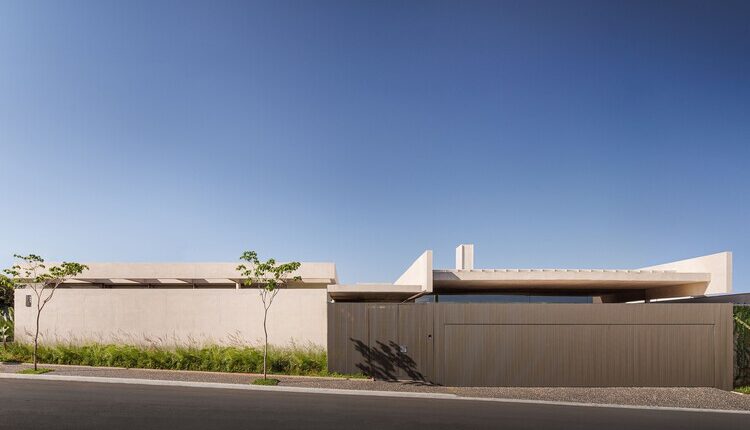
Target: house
<point>711,274</point>
<point>457,326</point>
<point>537,327</point>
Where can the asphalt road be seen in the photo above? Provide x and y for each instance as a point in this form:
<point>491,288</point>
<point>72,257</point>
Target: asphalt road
<point>26,404</point>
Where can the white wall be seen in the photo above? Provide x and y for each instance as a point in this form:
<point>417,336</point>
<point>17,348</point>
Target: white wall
<point>174,316</point>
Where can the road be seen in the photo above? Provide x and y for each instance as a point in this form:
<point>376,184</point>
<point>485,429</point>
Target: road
<point>28,404</point>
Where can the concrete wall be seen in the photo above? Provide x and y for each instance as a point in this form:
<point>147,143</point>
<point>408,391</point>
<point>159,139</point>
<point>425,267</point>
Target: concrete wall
<point>174,316</point>
<point>419,273</point>
<point>718,265</point>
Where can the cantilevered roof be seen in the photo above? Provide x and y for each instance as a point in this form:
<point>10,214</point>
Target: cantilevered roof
<point>696,276</point>
<point>373,292</point>
<point>578,279</point>
<point>188,273</point>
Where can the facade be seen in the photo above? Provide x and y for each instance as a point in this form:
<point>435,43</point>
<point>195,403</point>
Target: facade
<point>533,345</point>
<point>537,327</point>
<point>177,303</point>
<point>457,326</point>
<point>707,275</point>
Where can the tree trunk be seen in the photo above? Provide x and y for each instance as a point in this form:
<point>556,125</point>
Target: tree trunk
<point>36,337</point>
<point>265,347</point>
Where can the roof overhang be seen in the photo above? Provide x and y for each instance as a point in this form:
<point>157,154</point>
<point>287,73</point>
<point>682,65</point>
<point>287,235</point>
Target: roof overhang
<point>206,274</point>
<point>577,280</point>
<point>373,292</point>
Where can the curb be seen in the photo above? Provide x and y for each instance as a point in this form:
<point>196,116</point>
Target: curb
<point>205,372</point>
<point>248,387</point>
<point>347,392</point>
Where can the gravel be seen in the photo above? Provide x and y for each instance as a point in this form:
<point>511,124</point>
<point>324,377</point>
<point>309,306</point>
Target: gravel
<point>705,398</point>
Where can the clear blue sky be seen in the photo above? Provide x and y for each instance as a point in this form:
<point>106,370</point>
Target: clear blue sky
<point>549,134</point>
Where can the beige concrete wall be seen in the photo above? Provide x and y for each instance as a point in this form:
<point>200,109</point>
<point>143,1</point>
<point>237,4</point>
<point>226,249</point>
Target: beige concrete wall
<point>419,273</point>
<point>174,316</point>
<point>718,265</point>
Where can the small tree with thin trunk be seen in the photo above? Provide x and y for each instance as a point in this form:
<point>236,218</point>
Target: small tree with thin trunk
<point>31,272</point>
<point>268,277</point>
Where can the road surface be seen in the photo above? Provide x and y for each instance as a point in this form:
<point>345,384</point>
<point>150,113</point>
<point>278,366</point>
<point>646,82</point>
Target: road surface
<point>29,404</point>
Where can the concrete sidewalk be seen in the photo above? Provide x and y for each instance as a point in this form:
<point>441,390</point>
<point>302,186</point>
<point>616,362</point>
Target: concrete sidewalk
<point>700,398</point>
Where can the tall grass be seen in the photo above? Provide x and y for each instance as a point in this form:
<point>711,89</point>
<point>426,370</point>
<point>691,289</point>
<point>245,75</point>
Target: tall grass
<point>287,361</point>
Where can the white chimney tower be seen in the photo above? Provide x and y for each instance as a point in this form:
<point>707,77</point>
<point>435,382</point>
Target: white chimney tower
<point>465,257</point>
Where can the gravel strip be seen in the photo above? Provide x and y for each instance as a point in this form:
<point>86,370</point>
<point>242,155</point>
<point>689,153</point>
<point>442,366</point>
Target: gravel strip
<point>706,398</point>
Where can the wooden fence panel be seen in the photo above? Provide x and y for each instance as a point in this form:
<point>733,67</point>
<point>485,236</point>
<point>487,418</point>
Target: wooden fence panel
<point>536,344</point>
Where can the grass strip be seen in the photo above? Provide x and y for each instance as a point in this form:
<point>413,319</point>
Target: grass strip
<point>38,371</point>
<point>304,361</point>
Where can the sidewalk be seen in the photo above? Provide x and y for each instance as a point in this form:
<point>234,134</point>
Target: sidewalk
<point>701,398</point>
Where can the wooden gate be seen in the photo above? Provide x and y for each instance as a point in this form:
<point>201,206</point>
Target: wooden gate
<point>400,342</point>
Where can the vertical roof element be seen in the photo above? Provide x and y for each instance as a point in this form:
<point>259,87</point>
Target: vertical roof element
<point>464,257</point>
<point>718,265</point>
<point>419,273</point>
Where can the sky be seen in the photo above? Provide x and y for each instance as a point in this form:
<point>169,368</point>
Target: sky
<point>576,134</point>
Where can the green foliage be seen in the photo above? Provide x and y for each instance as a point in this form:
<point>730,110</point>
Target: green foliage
<point>266,275</point>
<point>6,325</point>
<point>742,344</point>
<point>742,320</point>
<point>743,390</point>
<point>6,292</point>
<point>268,381</point>
<point>31,270</point>
<point>38,371</point>
<point>287,361</point>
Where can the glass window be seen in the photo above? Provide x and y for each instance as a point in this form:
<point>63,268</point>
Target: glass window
<point>560,299</point>
<point>501,298</point>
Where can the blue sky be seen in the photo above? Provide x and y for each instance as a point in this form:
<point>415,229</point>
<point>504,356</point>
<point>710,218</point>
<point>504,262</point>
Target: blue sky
<point>549,134</point>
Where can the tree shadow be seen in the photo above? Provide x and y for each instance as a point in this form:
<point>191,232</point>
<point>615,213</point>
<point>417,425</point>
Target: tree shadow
<point>385,361</point>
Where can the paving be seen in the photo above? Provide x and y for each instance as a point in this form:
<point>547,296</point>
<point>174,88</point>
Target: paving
<point>703,398</point>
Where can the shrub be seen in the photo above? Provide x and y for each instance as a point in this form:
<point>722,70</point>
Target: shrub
<point>288,361</point>
<point>6,325</point>
<point>742,345</point>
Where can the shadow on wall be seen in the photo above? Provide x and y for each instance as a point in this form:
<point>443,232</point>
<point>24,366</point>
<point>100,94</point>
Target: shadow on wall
<point>386,362</point>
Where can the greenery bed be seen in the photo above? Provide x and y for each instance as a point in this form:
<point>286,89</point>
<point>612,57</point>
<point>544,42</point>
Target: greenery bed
<point>286,361</point>
<point>268,381</point>
<point>38,371</point>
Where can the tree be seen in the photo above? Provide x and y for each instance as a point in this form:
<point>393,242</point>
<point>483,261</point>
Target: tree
<point>6,292</point>
<point>31,272</point>
<point>269,277</point>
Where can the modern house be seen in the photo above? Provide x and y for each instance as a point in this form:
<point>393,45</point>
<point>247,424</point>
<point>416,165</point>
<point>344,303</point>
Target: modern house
<point>458,326</point>
<point>711,274</point>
